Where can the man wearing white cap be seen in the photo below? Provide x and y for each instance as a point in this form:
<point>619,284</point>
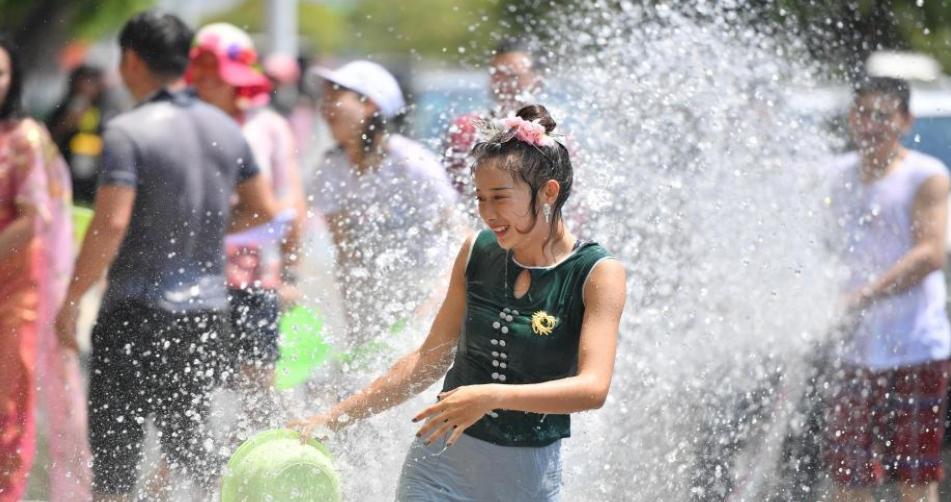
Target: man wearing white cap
<point>387,200</point>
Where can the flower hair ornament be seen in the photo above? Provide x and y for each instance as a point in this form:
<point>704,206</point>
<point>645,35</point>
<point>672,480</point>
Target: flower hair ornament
<point>512,127</point>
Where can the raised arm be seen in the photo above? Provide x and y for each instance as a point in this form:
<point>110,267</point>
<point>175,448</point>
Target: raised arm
<point>415,371</point>
<point>929,225</point>
<point>604,297</point>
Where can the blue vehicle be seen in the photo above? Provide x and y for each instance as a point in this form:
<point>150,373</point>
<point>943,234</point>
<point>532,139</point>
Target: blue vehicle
<point>931,132</point>
<point>440,96</point>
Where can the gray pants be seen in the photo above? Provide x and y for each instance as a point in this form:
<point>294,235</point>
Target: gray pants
<point>478,471</point>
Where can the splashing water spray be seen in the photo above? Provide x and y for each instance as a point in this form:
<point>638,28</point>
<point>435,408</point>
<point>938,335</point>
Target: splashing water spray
<point>696,172</point>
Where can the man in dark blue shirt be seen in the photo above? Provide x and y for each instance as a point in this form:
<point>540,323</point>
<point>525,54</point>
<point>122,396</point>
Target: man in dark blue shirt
<point>170,170</point>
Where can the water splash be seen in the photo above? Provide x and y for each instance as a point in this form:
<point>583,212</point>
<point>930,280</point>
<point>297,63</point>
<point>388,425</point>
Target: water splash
<point>693,169</point>
<point>696,172</point>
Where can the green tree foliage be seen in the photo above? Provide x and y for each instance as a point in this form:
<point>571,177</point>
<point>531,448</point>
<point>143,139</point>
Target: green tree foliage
<point>322,25</point>
<point>839,32</point>
<point>428,28</point>
<point>845,32</point>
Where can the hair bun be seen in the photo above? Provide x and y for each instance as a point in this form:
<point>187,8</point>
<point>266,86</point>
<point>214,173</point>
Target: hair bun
<point>539,113</point>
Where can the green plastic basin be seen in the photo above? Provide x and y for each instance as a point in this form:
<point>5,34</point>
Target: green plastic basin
<point>276,466</point>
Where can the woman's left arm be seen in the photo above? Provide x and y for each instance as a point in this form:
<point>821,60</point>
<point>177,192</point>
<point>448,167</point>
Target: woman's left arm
<point>604,298</point>
<point>604,295</point>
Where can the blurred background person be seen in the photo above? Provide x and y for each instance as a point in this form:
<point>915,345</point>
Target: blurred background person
<point>36,253</point>
<point>284,73</point>
<point>386,198</point>
<point>163,206</point>
<point>890,205</point>
<point>295,97</point>
<point>513,82</point>
<point>76,126</point>
<point>262,261</point>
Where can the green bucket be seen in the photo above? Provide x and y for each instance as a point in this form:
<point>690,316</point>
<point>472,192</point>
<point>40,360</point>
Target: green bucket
<point>302,347</point>
<point>82,216</point>
<point>275,465</point>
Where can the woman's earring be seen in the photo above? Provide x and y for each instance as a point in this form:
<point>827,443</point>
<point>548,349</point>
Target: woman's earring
<point>547,210</point>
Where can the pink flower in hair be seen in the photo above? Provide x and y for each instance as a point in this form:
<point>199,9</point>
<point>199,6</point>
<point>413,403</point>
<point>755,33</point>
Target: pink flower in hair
<point>531,132</point>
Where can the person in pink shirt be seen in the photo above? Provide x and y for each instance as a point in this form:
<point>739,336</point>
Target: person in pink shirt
<point>261,261</point>
<point>36,253</point>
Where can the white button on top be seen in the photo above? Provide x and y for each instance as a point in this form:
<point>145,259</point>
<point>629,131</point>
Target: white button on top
<point>502,343</point>
<point>496,364</point>
<point>515,312</point>
<point>496,324</point>
<point>501,378</point>
<point>494,341</point>
<point>504,355</point>
<point>505,330</point>
<point>506,310</point>
<point>493,414</point>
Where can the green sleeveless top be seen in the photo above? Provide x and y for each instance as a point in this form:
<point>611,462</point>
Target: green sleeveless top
<point>531,339</point>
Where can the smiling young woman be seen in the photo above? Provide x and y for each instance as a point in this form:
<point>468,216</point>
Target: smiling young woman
<point>529,327</point>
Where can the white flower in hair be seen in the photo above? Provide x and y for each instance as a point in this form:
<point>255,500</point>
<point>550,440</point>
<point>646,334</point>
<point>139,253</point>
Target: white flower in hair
<point>504,129</point>
<point>531,132</point>
<point>492,131</point>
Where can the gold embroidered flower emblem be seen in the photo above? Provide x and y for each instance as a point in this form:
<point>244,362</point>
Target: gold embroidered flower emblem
<point>543,323</point>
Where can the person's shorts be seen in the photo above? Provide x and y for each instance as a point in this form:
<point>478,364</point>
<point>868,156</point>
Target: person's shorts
<point>254,327</point>
<point>887,425</point>
<point>150,362</point>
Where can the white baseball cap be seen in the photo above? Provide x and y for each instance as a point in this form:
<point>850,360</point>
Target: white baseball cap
<point>371,80</point>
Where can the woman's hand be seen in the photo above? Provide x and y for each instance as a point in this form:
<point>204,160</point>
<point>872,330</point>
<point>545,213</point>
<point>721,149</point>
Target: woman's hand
<point>857,301</point>
<point>288,295</point>
<point>66,325</point>
<point>322,425</point>
<point>456,411</point>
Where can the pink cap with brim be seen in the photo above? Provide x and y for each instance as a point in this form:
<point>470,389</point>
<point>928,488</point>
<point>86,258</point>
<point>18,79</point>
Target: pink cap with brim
<point>237,58</point>
<point>371,80</point>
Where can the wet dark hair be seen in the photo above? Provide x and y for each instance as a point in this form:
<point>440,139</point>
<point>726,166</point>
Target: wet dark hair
<point>534,165</point>
<point>508,45</point>
<point>162,41</point>
<point>12,105</point>
<point>81,73</point>
<point>375,126</point>
<point>373,130</point>
<point>887,86</point>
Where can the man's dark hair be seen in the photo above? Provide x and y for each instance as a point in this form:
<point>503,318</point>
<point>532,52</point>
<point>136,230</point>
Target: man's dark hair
<point>886,86</point>
<point>82,72</point>
<point>12,105</point>
<point>160,39</point>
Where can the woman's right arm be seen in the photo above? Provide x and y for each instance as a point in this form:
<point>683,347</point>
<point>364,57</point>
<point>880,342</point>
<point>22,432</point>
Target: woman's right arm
<point>415,371</point>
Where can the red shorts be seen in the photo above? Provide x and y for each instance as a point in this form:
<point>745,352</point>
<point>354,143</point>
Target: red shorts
<point>887,425</point>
